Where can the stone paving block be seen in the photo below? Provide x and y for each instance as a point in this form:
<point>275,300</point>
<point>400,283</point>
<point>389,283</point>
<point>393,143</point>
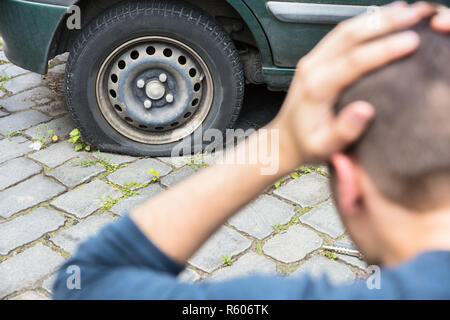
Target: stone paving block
<point>318,265</point>
<point>177,162</point>
<point>24,82</point>
<point>61,127</point>
<point>249,263</point>
<point>126,205</point>
<point>3,57</point>
<point>324,218</point>
<point>47,284</point>
<point>21,121</point>
<point>31,295</point>
<point>307,190</point>
<point>115,158</point>
<point>2,93</point>
<point>354,261</point>
<point>11,70</point>
<point>25,100</point>
<point>27,194</point>
<point>292,245</point>
<point>70,238</point>
<point>24,269</point>
<point>259,217</point>
<point>27,228</point>
<point>54,108</point>
<point>188,275</point>
<point>225,241</point>
<point>71,175</point>
<point>16,170</point>
<point>59,69</point>
<point>86,199</point>
<point>138,172</point>
<point>13,147</point>
<point>3,113</point>
<point>55,154</point>
<point>177,176</point>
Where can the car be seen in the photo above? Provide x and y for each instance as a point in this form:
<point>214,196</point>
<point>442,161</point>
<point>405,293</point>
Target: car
<point>143,75</point>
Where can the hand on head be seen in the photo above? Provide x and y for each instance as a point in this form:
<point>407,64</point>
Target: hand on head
<point>309,129</point>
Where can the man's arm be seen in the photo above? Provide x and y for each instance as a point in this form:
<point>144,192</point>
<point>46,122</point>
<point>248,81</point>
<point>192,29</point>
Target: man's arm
<point>180,220</point>
<point>140,257</point>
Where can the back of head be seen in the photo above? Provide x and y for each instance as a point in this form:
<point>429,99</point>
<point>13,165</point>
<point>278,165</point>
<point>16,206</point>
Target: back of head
<point>406,149</point>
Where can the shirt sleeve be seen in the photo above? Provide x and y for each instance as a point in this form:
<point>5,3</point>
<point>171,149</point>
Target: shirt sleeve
<point>122,263</point>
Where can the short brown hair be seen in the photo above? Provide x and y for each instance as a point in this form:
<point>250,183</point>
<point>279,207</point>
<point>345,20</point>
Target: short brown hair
<point>407,146</point>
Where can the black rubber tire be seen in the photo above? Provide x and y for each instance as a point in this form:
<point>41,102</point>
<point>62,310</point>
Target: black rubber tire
<point>133,19</point>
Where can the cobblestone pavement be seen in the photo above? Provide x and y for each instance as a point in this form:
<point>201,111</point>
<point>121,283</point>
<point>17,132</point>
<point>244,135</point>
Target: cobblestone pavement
<point>53,198</point>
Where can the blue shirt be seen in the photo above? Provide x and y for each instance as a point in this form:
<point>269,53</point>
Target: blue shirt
<point>122,263</point>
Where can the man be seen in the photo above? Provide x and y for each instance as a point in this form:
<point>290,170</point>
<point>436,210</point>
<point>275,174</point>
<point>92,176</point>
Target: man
<point>139,256</point>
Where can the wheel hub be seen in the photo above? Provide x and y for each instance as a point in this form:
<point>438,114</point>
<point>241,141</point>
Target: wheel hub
<point>155,89</point>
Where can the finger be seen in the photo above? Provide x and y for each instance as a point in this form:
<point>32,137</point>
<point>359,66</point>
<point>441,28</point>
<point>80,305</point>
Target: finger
<point>367,27</point>
<point>362,59</point>
<point>350,124</point>
<point>441,21</point>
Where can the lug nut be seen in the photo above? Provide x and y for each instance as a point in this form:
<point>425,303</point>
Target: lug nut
<point>169,98</point>
<point>163,77</point>
<point>147,104</point>
<point>140,83</point>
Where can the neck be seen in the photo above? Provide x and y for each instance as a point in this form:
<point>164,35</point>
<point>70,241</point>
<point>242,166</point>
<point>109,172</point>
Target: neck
<point>414,233</point>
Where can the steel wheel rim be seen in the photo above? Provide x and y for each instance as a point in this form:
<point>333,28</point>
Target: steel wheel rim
<point>123,100</point>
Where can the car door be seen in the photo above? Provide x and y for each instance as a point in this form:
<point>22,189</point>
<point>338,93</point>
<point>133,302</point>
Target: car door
<point>294,27</point>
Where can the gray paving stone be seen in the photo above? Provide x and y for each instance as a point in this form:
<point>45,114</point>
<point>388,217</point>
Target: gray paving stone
<point>24,82</point>
<point>3,56</point>
<point>27,194</point>
<point>86,199</point>
<point>47,284</point>
<point>2,93</point>
<point>138,171</point>
<point>177,162</point>
<point>27,228</point>
<point>292,245</point>
<point>3,113</point>
<point>24,269</point>
<point>115,158</point>
<point>61,127</point>
<point>318,265</point>
<point>55,154</point>
<point>16,170</point>
<point>25,100</point>
<point>70,238</point>
<point>225,241</point>
<point>21,121</point>
<point>259,217</point>
<point>249,263</point>
<point>59,69</point>
<point>54,108</point>
<point>31,295</point>
<point>307,190</point>
<point>72,175</point>
<point>127,204</point>
<point>188,275</point>
<point>177,176</point>
<point>11,70</point>
<point>13,147</point>
<point>324,218</point>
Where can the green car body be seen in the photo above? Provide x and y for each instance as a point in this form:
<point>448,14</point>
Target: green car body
<point>32,32</point>
<point>147,77</point>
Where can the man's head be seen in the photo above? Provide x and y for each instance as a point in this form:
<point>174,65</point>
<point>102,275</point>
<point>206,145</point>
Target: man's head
<point>403,159</point>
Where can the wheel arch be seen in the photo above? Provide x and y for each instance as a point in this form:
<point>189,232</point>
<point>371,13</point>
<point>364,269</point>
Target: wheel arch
<point>234,8</point>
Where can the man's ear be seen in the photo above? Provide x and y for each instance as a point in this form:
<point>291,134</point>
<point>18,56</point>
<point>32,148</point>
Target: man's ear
<point>347,191</point>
